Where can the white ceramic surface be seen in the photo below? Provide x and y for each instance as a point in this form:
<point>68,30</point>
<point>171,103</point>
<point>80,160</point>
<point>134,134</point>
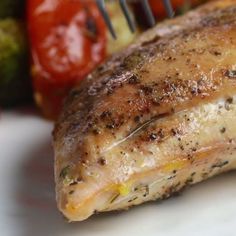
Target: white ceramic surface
<point>27,206</point>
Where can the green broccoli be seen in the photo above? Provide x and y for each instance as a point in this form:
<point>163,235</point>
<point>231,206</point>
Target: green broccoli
<point>14,63</point>
<point>12,8</point>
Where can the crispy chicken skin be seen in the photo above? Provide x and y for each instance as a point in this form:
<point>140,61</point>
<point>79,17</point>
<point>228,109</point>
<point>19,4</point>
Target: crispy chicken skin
<point>153,119</point>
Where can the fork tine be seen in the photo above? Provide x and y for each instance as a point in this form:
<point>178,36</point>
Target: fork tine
<point>148,12</point>
<point>102,9</point>
<point>169,8</point>
<point>126,12</point>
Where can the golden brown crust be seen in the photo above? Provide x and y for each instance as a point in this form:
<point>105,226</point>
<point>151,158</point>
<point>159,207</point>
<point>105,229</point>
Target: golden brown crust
<point>161,76</point>
<point>150,106</point>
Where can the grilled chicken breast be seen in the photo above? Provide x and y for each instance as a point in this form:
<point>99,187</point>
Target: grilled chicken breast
<point>153,119</point>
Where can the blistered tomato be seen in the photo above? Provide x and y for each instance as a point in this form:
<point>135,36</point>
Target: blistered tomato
<point>158,7</point>
<point>68,39</point>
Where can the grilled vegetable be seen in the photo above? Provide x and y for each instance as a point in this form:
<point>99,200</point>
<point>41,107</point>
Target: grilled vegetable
<point>68,40</point>
<point>124,35</point>
<point>153,119</point>
<point>14,66</point>
<point>158,9</point>
<point>178,5</point>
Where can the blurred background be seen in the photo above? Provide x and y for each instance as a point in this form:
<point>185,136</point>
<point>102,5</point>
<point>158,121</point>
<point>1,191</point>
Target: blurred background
<point>48,46</point>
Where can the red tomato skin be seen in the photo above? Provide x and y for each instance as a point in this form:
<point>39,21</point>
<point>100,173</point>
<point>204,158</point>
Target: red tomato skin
<point>158,7</point>
<point>68,40</point>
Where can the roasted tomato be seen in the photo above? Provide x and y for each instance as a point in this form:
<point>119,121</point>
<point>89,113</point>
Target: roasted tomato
<point>159,10</point>
<point>158,7</point>
<point>68,39</point>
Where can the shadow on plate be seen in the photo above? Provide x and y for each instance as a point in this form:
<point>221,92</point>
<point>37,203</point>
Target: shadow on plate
<point>37,206</point>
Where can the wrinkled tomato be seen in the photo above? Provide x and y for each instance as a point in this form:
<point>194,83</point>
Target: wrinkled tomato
<point>159,10</point>
<point>158,7</point>
<point>68,39</point>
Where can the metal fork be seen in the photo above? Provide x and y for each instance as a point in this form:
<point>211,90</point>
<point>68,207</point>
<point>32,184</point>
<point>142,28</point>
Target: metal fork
<point>125,9</point>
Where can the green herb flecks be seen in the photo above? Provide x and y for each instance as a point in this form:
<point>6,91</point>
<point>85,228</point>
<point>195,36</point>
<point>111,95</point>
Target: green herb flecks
<point>65,175</point>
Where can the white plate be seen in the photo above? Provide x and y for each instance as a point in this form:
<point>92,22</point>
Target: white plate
<point>27,206</point>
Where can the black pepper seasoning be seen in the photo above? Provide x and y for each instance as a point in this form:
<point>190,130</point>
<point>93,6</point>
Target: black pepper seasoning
<point>102,161</point>
<point>222,130</point>
<point>231,73</point>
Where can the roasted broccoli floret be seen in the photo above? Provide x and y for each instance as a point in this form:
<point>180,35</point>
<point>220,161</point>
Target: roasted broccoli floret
<point>14,63</point>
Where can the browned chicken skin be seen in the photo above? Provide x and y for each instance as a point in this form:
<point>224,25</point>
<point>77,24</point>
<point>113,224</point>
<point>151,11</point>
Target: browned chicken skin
<point>153,119</point>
